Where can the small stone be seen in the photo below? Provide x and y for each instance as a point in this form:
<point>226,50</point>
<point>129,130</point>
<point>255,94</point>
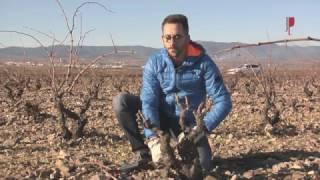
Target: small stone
<point>296,166</point>
<point>298,175</point>
<point>44,174</point>
<point>62,167</point>
<point>26,140</point>
<point>228,173</point>
<point>307,163</point>
<point>55,174</point>
<point>234,177</point>
<point>9,142</point>
<point>210,178</point>
<point>248,174</point>
<point>97,177</point>
<point>62,154</point>
<point>213,135</point>
<point>259,171</point>
<point>310,173</point>
<point>287,177</point>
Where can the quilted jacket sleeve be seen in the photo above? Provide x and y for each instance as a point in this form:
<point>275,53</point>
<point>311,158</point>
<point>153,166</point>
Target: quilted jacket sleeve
<point>150,93</point>
<point>218,93</point>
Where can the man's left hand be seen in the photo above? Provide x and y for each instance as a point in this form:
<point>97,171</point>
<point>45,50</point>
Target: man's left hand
<point>195,134</point>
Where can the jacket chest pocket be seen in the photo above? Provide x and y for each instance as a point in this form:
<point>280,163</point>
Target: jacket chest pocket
<point>164,79</point>
<point>189,80</point>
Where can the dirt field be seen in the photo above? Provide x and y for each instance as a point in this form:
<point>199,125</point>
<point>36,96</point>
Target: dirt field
<point>34,148</point>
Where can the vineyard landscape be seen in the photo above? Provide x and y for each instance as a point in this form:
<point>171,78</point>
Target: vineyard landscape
<point>33,145</point>
<point>57,119</point>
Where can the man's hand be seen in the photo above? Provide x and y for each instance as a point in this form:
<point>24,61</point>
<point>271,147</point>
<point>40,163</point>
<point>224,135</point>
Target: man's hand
<point>194,134</point>
<point>153,142</point>
<point>154,146</point>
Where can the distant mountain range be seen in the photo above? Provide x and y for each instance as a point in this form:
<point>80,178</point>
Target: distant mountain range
<point>141,53</point>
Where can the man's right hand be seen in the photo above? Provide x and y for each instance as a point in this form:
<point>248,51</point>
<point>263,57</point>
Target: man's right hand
<point>154,146</point>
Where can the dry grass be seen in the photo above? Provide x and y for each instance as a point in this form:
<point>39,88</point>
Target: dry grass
<point>242,149</point>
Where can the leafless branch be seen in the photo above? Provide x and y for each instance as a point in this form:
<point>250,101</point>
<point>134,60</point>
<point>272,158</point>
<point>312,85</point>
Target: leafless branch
<point>84,69</point>
<point>184,108</point>
<point>71,29</point>
<point>51,57</point>
<point>43,33</point>
<point>28,35</point>
<point>48,35</point>
<point>64,15</point>
<point>80,42</point>
<point>266,43</point>
<point>71,42</point>
<point>84,36</point>
<point>86,3</point>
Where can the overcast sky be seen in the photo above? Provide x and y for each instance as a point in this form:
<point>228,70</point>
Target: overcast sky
<point>137,22</point>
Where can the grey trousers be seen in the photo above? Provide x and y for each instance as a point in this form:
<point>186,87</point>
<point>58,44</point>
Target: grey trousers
<point>126,107</point>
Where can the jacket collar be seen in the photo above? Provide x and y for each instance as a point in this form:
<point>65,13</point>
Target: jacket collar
<point>194,49</point>
<point>194,52</point>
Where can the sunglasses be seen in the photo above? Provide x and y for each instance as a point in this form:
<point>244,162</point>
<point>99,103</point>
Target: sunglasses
<point>176,37</point>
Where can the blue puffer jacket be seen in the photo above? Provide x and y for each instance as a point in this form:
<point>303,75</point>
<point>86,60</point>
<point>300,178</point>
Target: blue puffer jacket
<point>197,77</point>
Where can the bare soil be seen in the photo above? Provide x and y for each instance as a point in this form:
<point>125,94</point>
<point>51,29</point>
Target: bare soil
<point>31,149</point>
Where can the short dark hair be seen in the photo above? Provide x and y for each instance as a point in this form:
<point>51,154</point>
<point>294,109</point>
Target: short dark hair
<point>177,19</point>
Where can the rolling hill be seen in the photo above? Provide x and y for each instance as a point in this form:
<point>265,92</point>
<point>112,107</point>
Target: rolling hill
<point>141,53</point>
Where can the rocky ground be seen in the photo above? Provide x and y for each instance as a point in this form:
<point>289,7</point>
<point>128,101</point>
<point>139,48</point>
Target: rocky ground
<point>31,149</point>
